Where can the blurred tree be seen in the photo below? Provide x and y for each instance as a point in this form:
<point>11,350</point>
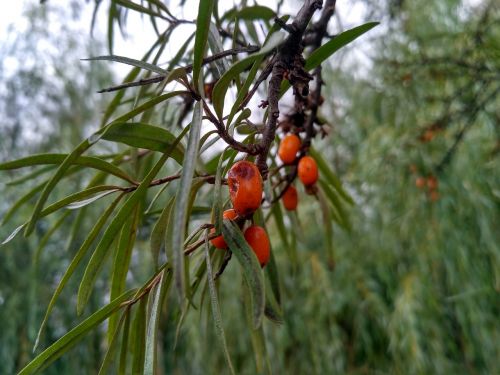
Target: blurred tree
<point>416,138</point>
<point>47,102</point>
<point>407,283</point>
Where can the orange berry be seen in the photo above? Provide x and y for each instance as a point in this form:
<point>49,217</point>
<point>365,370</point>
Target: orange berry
<point>288,149</point>
<point>290,198</point>
<point>219,242</point>
<point>432,182</point>
<point>434,195</point>
<point>259,242</point>
<point>307,170</point>
<point>420,182</point>
<point>245,187</point>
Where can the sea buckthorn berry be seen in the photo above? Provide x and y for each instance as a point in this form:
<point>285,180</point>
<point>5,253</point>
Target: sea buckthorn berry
<point>219,242</point>
<point>434,195</point>
<point>290,198</point>
<point>432,182</point>
<point>420,182</point>
<point>245,187</point>
<point>258,240</point>
<point>288,149</point>
<point>307,170</point>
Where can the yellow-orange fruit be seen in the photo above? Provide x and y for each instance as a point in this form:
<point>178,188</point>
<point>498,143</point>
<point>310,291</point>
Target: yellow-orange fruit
<point>420,182</point>
<point>308,170</point>
<point>258,240</point>
<point>245,187</point>
<point>290,198</point>
<point>219,242</point>
<point>288,149</point>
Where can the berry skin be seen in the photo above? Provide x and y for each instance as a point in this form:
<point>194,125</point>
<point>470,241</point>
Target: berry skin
<point>288,149</point>
<point>259,242</point>
<point>245,187</point>
<point>219,242</point>
<point>420,182</point>
<point>290,198</point>
<point>308,170</point>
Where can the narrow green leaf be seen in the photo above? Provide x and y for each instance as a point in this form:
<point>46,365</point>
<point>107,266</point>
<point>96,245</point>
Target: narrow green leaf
<point>121,262</point>
<point>62,203</point>
<point>143,136</point>
<point>178,74</point>
<point>122,367</point>
<point>153,323</point>
<point>180,53</point>
<point>280,223</point>
<point>161,6</point>
<point>63,167</point>
<point>77,198</point>
<point>25,198</point>
<point>127,60</point>
<point>217,207</point>
<point>251,268</point>
<point>215,43</point>
<point>86,202</point>
<point>112,13</point>
<point>181,203</point>
<point>139,330</point>
<point>204,145</point>
<point>273,276</point>
<point>62,345</point>
<point>250,13</point>
<point>149,104</point>
<point>159,230</point>
<point>139,8</point>
<point>329,48</point>
<point>75,262</point>
<point>86,161</point>
<point>30,176</point>
<point>325,211</point>
<point>131,76</point>
<point>272,310</point>
<point>113,345</point>
<point>256,334</point>
<point>337,204</point>
<point>251,31</point>
<point>205,9</point>
<point>215,306</point>
<point>13,234</point>
<point>96,261</point>
<point>46,237</point>
<point>222,85</point>
<point>329,175</point>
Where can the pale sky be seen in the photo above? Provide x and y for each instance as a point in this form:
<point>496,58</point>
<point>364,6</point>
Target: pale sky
<point>140,33</point>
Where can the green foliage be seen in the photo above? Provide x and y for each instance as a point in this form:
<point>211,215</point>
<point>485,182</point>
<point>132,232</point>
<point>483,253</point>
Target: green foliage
<point>377,276</point>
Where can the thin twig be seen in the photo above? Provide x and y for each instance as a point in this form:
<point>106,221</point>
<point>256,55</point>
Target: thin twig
<point>289,53</point>
<point>188,69</point>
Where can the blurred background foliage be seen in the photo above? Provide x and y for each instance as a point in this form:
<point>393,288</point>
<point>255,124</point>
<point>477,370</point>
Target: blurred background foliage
<point>414,286</point>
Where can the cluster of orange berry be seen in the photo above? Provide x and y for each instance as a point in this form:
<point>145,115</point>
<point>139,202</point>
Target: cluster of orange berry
<point>307,169</point>
<point>431,182</point>
<point>245,191</point>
